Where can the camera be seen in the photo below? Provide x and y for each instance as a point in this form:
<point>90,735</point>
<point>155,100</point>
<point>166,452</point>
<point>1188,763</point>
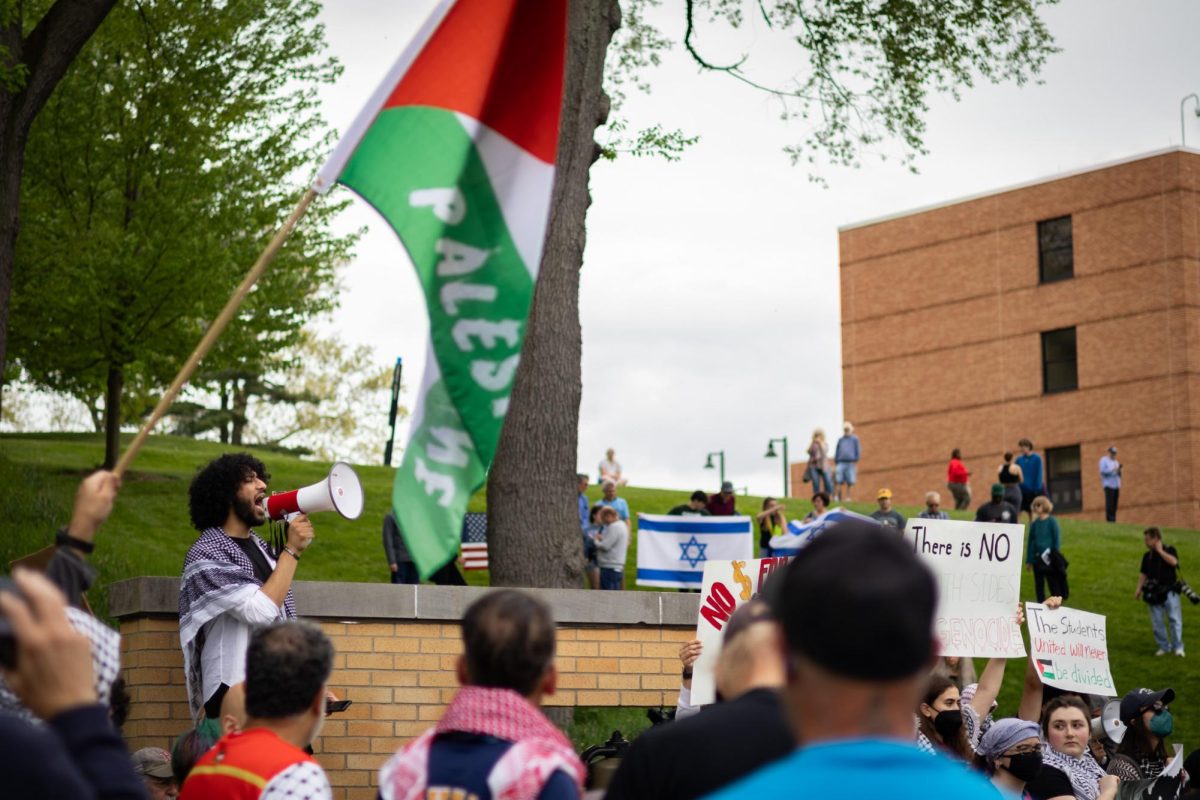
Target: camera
<point>1188,592</point>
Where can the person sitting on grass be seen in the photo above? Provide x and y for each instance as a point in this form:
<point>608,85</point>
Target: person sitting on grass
<point>696,506</point>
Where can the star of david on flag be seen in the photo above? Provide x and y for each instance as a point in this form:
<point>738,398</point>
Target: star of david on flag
<point>672,551</point>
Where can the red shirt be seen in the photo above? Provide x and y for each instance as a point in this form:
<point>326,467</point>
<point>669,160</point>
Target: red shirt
<point>240,765</point>
<point>957,472</point>
<point>720,507</point>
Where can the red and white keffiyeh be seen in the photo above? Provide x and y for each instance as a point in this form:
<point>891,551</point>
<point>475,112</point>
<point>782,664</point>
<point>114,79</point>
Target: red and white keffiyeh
<point>539,748</point>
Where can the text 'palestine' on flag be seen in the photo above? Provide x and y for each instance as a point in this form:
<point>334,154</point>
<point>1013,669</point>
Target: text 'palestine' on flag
<point>456,150</point>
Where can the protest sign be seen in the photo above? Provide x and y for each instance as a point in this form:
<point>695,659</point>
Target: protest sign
<point>727,586</point>
<point>1069,649</point>
<point>978,569</point>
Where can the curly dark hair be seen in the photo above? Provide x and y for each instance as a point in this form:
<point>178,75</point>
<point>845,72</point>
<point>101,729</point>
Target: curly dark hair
<point>287,663</point>
<point>216,485</point>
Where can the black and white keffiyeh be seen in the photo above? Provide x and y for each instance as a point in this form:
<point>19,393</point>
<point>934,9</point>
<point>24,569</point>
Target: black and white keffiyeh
<point>217,576</point>
<point>1083,772</point>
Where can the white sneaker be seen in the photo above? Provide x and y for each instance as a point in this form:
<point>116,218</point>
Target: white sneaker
<point>1160,652</point>
<point>1179,652</point>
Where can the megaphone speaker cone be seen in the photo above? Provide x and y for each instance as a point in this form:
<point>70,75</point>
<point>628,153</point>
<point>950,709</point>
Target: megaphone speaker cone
<point>346,490</point>
<point>341,491</point>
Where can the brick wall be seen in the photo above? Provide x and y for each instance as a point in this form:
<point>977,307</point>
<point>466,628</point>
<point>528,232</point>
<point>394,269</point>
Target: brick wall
<point>614,649</point>
<point>942,313</point>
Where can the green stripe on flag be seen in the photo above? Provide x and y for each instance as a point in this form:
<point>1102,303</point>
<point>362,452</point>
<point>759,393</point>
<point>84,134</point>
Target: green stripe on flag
<point>420,169</point>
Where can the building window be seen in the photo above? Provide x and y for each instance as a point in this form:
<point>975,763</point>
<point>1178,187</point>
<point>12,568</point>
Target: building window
<point>1058,361</point>
<point>1063,478</point>
<point>1056,259</point>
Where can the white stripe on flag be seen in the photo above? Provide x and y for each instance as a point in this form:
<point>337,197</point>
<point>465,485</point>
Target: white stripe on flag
<point>801,534</point>
<point>672,550</point>
<point>475,555</point>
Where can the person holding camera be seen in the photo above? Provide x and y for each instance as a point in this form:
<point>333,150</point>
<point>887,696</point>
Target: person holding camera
<point>1158,585</point>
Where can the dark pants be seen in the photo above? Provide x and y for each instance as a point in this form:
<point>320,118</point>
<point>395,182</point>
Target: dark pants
<point>962,495</point>
<point>613,579</point>
<point>1111,497</point>
<point>406,572</point>
<point>1056,579</point>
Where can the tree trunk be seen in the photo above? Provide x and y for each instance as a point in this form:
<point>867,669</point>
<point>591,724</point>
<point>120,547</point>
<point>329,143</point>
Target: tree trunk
<point>112,415</point>
<point>224,407</point>
<point>239,413</point>
<point>47,52</point>
<point>532,505</point>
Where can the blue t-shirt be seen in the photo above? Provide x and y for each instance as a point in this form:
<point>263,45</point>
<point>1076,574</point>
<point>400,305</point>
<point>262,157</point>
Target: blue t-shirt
<point>584,510</point>
<point>1031,472</point>
<point>867,768</point>
<point>461,762</point>
<point>620,505</point>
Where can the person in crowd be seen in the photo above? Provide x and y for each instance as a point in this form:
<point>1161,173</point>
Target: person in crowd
<point>1142,752</point>
<point>400,563</point>
<point>1033,483</point>
<point>1158,586</point>
<point>1110,479</point>
<point>960,671</point>
<point>231,581</point>
<point>851,709</point>
<point>191,745</point>
<point>612,545</point>
<point>958,481</point>
<point>886,515</point>
<point>772,522</point>
<point>591,566</point>
<point>820,503</point>
<point>688,653</point>
<point>818,463</point>
<point>76,753</point>
<point>728,740</point>
<point>68,568</point>
<point>723,504</point>
<point>1066,726</point>
<point>610,499</point>
<point>492,740</point>
<point>1011,752</point>
<point>696,506</point>
<point>154,765</point>
<point>233,709</point>
<point>581,485</point>
<point>610,469</point>
<point>1043,554</point>
<point>997,509</point>
<point>1010,478</point>
<point>933,507</point>
<point>950,723</point>
<point>846,455</point>
<point>288,665</point>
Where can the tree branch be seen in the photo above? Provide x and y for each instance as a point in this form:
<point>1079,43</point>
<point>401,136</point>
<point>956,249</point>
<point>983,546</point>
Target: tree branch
<point>687,42</point>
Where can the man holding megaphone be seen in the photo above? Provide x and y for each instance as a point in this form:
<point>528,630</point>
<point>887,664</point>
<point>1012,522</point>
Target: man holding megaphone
<point>232,581</point>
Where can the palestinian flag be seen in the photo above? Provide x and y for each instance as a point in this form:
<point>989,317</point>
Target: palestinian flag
<point>1045,668</point>
<point>456,151</point>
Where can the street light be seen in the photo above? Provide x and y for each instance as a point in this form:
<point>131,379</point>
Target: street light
<point>786,467</point>
<point>709,464</point>
<point>1182,127</point>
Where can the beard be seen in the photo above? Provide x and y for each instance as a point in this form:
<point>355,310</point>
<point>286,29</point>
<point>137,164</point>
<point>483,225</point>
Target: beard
<point>247,512</point>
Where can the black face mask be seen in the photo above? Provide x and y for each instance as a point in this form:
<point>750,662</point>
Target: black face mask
<point>1024,766</point>
<point>948,723</point>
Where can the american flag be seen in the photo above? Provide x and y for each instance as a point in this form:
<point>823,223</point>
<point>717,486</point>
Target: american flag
<point>474,541</point>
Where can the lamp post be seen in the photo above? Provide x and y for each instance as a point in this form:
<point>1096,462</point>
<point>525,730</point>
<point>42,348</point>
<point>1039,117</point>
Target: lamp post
<point>392,409</point>
<point>771,454</point>
<point>709,464</point>
<point>1182,127</point>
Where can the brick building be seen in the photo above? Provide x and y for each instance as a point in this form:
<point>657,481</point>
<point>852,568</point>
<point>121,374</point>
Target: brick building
<point>1066,310</point>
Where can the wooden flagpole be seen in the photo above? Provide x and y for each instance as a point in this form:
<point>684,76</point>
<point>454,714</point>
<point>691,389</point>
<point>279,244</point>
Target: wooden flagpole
<point>214,331</point>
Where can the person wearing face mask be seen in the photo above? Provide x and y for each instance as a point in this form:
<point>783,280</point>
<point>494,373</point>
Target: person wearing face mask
<point>1066,724</point>
<point>1012,754</point>
<point>1142,752</point>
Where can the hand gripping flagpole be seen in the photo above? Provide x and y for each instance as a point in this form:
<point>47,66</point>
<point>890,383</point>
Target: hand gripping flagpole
<point>214,331</point>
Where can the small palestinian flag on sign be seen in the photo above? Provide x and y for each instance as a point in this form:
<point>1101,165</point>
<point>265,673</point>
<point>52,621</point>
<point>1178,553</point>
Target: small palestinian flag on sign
<point>1045,669</point>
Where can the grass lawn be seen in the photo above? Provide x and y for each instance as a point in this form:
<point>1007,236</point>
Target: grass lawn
<point>149,534</point>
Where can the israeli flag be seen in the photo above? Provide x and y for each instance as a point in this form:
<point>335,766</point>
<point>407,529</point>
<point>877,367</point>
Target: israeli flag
<point>801,534</point>
<point>671,551</point>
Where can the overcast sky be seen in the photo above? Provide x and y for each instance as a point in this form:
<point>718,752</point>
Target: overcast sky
<point>709,298</point>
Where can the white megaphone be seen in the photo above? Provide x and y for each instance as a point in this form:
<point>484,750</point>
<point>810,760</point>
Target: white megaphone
<point>341,491</point>
<point>1110,717</point>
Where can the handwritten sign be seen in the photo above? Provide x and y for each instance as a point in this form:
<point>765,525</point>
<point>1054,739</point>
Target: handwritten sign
<point>727,586</point>
<point>1069,649</point>
<point>978,569</point>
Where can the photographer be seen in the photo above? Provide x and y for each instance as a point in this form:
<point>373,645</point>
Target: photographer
<point>1158,585</point>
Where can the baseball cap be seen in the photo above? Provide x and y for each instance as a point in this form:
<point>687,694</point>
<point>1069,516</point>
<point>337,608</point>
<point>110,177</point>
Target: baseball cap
<point>997,489</point>
<point>1113,449</point>
<point>883,493</point>
<point>727,486</point>
<point>843,625</point>
<point>153,761</point>
<point>1139,700</point>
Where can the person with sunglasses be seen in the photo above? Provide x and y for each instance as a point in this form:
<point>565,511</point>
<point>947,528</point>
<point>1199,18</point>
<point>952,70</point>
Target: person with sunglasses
<point>1142,752</point>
